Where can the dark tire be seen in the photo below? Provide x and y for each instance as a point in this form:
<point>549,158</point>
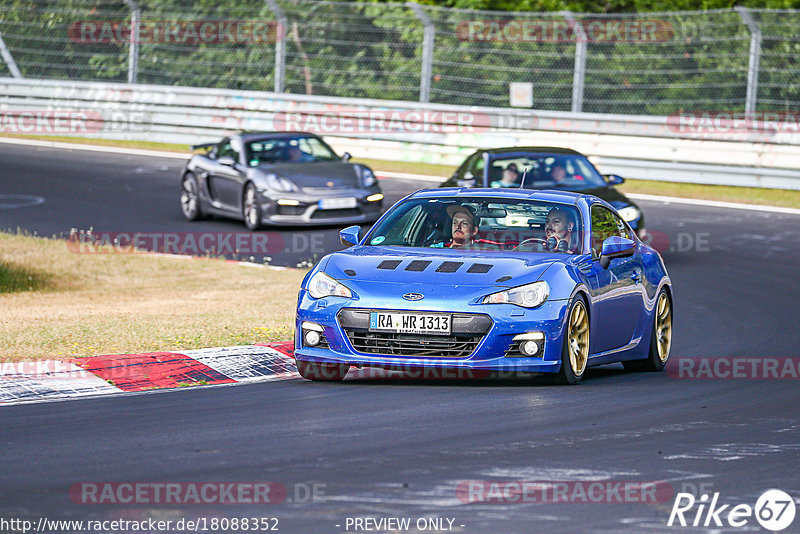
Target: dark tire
<point>322,372</point>
<point>251,208</point>
<point>660,338</point>
<point>190,198</point>
<point>575,351</point>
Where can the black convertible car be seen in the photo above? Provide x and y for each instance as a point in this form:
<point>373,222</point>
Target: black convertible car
<point>544,168</point>
<point>278,178</point>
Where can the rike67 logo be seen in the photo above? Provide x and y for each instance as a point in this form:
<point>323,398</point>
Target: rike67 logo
<point>774,511</point>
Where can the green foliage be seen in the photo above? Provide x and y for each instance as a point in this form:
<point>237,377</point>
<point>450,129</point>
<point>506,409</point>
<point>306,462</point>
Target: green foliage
<point>14,278</point>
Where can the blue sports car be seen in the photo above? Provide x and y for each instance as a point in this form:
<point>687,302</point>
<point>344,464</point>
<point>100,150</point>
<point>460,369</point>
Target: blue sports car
<point>487,279</point>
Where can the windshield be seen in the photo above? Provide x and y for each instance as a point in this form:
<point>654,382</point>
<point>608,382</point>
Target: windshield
<point>298,149</point>
<point>481,224</point>
<point>541,171</point>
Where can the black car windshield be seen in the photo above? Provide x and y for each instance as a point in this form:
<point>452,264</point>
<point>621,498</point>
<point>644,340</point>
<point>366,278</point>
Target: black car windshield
<point>298,149</point>
<point>542,171</point>
<point>477,223</point>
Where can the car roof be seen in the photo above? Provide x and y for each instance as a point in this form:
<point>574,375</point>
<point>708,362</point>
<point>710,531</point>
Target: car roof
<point>536,149</point>
<point>252,136</point>
<point>548,195</point>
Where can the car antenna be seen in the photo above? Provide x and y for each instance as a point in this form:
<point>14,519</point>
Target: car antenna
<point>523,177</point>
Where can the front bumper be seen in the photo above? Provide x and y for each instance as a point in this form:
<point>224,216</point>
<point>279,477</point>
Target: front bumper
<point>307,210</point>
<point>490,352</point>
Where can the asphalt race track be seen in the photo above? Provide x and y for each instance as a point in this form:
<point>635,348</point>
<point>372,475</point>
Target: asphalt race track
<point>403,448</point>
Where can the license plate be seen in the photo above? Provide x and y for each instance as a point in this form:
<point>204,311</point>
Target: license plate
<point>409,323</point>
<point>337,203</point>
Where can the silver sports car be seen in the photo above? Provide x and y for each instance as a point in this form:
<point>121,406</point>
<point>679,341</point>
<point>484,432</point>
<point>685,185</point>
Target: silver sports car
<point>274,178</point>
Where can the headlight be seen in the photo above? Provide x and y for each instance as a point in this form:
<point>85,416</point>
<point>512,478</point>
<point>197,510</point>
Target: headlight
<point>367,177</point>
<point>629,213</point>
<point>276,183</point>
<point>527,296</point>
<point>322,285</point>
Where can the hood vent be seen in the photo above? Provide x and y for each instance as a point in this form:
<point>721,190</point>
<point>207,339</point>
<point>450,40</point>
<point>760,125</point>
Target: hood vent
<point>389,265</point>
<point>503,279</point>
<point>418,265</point>
<point>449,267</point>
<point>479,268</point>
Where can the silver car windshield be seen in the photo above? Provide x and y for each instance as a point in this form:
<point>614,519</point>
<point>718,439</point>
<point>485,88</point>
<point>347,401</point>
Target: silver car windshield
<point>298,149</point>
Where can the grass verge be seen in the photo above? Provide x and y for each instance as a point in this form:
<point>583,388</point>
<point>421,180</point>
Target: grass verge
<point>745,195</point>
<point>93,304</point>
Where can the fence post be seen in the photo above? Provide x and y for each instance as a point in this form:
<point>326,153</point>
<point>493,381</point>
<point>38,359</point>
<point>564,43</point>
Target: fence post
<point>428,39</point>
<point>755,59</point>
<point>579,72</point>
<point>133,46</point>
<point>9,59</point>
<point>280,44</point>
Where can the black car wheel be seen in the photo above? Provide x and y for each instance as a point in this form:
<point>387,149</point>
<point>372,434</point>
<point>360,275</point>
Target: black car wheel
<point>575,351</point>
<point>322,372</point>
<point>251,208</point>
<point>190,199</point>
<point>660,339</point>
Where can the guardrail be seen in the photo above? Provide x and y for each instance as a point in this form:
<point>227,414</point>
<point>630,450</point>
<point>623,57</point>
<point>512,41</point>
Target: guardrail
<point>644,147</point>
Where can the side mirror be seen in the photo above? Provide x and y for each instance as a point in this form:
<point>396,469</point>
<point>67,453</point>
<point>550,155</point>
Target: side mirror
<point>613,179</point>
<point>227,161</point>
<point>349,236</point>
<point>467,181</point>
<point>346,156</point>
<point>616,247</point>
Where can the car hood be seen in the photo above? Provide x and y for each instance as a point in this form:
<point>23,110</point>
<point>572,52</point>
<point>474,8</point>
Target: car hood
<point>445,268</point>
<point>610,195</point>
<point>316,174</point>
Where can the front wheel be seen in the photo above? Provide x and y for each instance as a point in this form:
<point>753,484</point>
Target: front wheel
<point>660,339</point>
<point>190,198</point>
<point>575,352</point>
<point>251,208</point>
<point>322,372</point>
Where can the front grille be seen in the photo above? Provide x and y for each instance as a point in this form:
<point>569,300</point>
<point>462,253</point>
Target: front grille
<point>291,210</point>
<point>331,214</point>
<point>454,346</point>
<point>467,332</point>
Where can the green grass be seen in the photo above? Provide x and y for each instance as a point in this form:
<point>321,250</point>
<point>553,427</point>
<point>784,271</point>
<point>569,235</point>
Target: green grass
<point>745,195</point>
<point>15,278</point>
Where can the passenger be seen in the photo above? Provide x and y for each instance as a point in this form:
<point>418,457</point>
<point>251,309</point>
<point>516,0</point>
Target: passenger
<point>510,177</point>
<point>464,227</point>
<point>558,173</point>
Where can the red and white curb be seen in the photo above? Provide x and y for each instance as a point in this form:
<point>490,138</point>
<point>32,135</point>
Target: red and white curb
<point>104,375</point>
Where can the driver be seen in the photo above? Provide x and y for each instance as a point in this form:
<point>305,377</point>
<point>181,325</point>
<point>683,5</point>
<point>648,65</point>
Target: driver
<point>558,173</point>
<point>559,229</point>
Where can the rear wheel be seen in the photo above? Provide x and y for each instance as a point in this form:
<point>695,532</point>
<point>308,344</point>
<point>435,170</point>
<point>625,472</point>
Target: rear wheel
<point>322,372</point>
<point>190,198</point>
<point>660,339</point>
<point>251,208</point>
<point>575,352</point>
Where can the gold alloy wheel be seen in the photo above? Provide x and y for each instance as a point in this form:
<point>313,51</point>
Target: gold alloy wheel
<point>578,338</point>
<point>663,327</point>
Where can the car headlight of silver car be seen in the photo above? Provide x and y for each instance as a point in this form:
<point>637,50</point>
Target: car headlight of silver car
<point>527,296</point>
<point>321,285</point>
<point>276,183</point>
<point>629,213</point>
<point>367,177</point>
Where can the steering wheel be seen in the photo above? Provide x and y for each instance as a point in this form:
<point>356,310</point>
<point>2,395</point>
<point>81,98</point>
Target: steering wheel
<point>531,242</point>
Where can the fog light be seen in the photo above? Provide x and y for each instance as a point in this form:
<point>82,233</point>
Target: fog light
<point>312,338</point>
<point>288,202</point>
<point>529,348</point>
<point>374,198</point>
